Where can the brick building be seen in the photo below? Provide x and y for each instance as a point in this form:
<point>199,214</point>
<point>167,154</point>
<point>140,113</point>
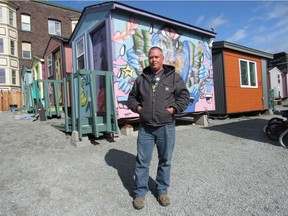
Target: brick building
<point>36,22</point>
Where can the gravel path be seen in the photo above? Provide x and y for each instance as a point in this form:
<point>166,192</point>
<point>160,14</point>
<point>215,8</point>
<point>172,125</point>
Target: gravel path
<point>228,168</point>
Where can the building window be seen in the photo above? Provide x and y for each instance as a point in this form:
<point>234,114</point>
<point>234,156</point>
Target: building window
<point>80,55</point>
<point>1,19</point>
<point>54,27</point>
<point>25,22</point>
<point>26,50</point>
<point>12,47</point>
<point>73,24</point>
<point>49,65</point>
<point>248,73</point>
<point>2,75</point>
<point>1,46</point>
<point>14,77</point>
<point>11,17</point>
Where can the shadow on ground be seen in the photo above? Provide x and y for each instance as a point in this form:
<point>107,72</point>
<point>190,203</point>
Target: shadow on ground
<point>124,163</point>
<point>251,129</point>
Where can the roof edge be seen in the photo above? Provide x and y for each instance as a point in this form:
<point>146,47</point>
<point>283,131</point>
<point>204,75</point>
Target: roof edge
<point>57,5</point>
<point>125,7</point>
<point>237,47</point>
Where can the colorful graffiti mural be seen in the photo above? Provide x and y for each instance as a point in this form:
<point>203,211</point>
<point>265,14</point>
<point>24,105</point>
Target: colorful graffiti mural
<point>58,73</point>
<point>190,56</point>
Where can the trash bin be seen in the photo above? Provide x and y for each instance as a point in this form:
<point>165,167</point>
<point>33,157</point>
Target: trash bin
<point>13,107</point>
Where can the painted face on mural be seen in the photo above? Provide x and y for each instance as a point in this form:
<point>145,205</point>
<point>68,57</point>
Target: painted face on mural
<point>156,59</point>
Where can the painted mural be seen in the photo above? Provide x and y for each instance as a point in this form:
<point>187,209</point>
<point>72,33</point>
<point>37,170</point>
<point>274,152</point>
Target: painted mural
<point>58,73</point>
<point>100,63</point>
<point>190,56</point>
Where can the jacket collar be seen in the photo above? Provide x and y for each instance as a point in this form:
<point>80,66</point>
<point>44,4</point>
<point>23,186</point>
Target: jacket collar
<point>167,70</point>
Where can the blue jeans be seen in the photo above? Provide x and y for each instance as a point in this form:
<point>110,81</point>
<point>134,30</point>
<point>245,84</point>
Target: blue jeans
<point>164,138</point>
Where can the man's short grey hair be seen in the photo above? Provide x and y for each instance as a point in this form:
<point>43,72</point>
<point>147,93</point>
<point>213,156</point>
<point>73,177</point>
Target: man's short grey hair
<point>156,47</point>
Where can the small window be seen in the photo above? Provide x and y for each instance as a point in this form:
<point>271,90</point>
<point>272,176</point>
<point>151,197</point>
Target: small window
<point>14,77</point>
<point>80,55</point>
<point>26,50</point>
<point>54,27</point>
<point>1,46</point>
<point>2,75</point>
<point>248,73</point>
<point>49,65</point>
<point>73,24</point>
<point>11,17</point>
<point>25,22</point>
<point>12,47</point>
<point>1,16</point>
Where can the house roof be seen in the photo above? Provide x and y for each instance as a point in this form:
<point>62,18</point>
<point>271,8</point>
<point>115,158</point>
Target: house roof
<point>59,38</point>
<point>112,5</point>
<point>232,46</point>
<point>63,39</point>
<point>273,69</point>
<point>38,58</point>
<point>56,5</point>
<point>11,4</point>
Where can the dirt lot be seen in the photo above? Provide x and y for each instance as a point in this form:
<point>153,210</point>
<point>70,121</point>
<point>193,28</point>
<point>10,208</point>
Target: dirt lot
<point>228,168</point>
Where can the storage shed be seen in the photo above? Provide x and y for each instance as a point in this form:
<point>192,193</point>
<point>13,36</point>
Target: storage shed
<point>240,78</point>
<point>112,36</point>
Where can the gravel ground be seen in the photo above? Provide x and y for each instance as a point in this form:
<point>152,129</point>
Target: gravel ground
<point>228,168</point>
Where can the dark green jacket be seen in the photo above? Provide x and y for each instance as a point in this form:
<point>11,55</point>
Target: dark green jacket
<point>170,92</point>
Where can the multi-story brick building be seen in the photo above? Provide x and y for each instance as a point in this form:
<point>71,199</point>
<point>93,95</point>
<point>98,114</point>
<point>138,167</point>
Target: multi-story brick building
<point>36,22</point>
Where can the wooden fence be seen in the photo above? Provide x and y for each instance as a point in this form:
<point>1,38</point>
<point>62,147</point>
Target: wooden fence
<point>9,99</point>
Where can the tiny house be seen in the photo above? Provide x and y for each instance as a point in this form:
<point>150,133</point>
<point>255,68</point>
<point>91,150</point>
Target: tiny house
<point>115,37</point>
<point>37,68</point>
<point>58,64</point>
<point>277,83</point>
<point>280,61</point>
<point>58,58</point>
<point>26,80</point>
<point>240,78</point>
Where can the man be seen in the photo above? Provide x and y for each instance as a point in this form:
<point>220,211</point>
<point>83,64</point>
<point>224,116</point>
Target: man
<point>157,95</point>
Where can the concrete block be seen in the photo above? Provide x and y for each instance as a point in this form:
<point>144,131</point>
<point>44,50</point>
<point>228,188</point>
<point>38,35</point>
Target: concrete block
<point>75,136</point>
<point>268,112</point>
<point>127,130</point>
<point>79,143</point>
<point>201,120</point>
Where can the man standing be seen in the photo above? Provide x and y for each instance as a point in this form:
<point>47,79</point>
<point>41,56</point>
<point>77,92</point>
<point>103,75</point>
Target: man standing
<point>157,95</point>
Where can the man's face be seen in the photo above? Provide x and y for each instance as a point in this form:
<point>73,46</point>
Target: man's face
<point>156,60</point>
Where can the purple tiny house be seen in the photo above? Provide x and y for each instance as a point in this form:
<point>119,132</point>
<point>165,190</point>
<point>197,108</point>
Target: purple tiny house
<point>115,37</point>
